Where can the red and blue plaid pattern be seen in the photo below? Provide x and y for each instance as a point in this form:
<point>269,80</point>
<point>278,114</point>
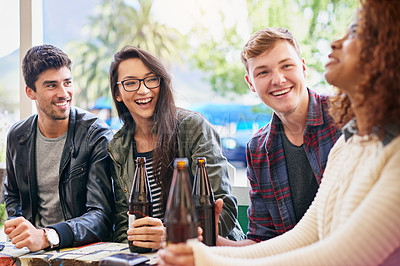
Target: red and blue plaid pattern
<point>271,210</point>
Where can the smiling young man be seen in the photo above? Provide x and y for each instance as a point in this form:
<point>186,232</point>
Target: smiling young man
<point>287,157</point>
<point>58,186</point>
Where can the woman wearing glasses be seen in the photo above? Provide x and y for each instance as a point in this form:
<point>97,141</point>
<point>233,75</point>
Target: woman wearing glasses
<point>156,129</point>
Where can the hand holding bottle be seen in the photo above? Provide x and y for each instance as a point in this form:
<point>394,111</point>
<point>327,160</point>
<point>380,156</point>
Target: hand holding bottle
<point>147,232</point>
<point>219,203</point>
<point>140,207</point>
<point>180,217</point>
<point>176,254</point>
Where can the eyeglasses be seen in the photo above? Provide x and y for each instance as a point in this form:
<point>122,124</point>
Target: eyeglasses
<point>130,85</point>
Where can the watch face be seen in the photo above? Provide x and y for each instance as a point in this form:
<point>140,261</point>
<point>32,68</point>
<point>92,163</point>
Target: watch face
<point>53,237</point>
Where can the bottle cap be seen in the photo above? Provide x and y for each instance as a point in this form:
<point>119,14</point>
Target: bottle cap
<point>141,160</point>
<point>181,162</point>
<point>201,160</point>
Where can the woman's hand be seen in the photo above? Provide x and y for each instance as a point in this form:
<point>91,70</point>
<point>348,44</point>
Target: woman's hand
<point>147,232</point>
<point>176,254</point>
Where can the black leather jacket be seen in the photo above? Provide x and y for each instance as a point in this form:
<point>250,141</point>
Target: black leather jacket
<point>85,180</point>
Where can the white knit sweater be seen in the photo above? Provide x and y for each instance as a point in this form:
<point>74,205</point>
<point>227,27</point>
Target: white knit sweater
<point>354,219</point>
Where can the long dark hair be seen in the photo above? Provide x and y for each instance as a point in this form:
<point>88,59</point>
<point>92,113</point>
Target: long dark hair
<point>165,120</point>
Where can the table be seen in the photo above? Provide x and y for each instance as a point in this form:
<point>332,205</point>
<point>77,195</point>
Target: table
<point>76,256</point>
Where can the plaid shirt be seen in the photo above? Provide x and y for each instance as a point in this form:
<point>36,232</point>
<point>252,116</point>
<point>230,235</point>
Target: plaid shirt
<point>271,210</point>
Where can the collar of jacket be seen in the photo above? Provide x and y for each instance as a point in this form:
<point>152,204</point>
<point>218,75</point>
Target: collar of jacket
<point>118,147</point>
<point>315,117</point>
<point>69,147</point>
<point>391,131</point>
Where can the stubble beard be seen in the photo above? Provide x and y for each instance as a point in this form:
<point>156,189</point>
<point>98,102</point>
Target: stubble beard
<point>53,113</point>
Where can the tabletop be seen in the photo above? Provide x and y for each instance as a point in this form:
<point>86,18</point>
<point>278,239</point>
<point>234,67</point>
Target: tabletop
<point>85,255</point>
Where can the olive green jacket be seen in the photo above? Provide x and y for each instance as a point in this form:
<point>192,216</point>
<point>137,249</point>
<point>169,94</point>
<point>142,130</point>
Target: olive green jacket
<point>196,138</point>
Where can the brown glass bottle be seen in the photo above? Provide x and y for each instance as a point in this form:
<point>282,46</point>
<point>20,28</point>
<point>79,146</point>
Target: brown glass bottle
<point>180,218</point>
<point>140,200</point>
<point>203,200</point>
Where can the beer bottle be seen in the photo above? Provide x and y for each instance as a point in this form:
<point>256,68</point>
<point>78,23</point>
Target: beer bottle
<point>140,200</point>
<point>203,199</point>
<point>180,218</point>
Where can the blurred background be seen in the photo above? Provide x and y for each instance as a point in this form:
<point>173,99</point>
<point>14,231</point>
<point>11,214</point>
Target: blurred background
<point>199,40</point>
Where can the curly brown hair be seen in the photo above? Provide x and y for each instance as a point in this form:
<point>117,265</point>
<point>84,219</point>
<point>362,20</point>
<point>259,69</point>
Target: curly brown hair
<point>379,91</point>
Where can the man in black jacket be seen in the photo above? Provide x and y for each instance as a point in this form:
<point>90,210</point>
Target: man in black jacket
<point>58,185</point>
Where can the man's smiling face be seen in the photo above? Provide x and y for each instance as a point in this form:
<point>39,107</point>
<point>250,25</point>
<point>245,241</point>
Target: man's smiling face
<point>278,77</point>
<point>54,91</point>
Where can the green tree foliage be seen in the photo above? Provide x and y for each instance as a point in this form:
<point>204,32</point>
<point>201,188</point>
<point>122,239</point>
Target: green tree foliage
<point>114,25</point>
<point>219,59</point>
<point>315,23</point>
<point>2,214</point>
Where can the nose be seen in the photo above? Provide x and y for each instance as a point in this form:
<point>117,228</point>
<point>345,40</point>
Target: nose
<point>336,44</point>
<point>63,91</point>
<point>278,78</point>
<point>142,88</point>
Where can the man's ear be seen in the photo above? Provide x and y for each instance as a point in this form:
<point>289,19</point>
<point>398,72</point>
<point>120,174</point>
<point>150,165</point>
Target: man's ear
<point>248,81</point>
<point>30,93</point>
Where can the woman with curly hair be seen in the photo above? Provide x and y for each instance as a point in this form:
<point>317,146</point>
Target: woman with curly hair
<point>355,217</point>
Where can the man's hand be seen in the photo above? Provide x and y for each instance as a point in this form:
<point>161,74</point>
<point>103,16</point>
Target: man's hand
<point>219,203</point>
<point>176,254</point>
<point>23,234</point>
<point>199,234</point>
<point>222,241</point>
<point>147,232</point>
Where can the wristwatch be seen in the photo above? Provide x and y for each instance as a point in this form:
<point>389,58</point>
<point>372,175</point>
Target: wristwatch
<point>52,237</point>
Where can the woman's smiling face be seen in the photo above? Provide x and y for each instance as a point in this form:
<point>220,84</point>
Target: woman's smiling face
<point>142,102</point>
<point>343,69</point>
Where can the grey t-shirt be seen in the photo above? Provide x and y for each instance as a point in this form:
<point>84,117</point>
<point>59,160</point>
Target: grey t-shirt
<point>48,157</point>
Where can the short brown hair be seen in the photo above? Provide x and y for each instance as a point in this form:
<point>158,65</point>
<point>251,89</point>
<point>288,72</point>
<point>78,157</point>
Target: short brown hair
<point>41,58</point>
<point>264,40</point>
